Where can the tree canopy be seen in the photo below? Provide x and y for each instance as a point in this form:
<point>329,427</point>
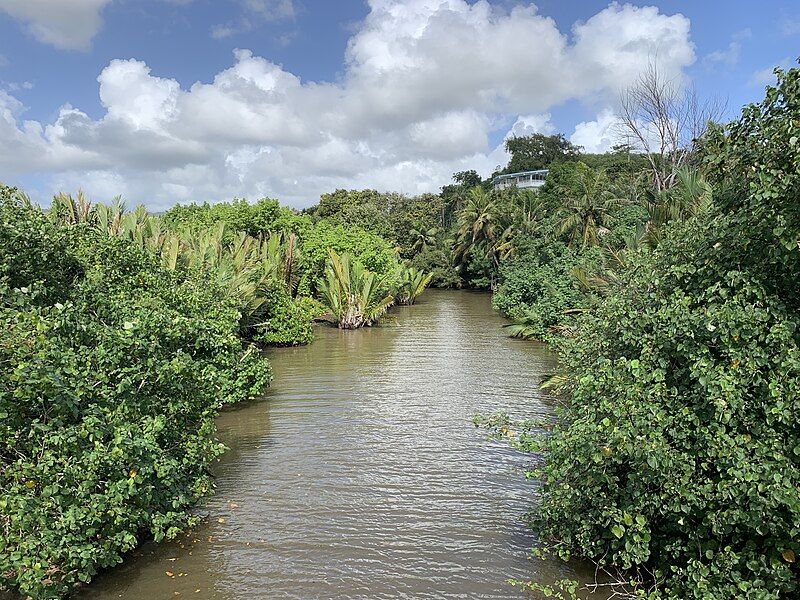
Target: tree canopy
<point>538,151</point>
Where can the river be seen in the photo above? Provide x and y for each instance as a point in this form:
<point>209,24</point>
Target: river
<point>360,474</point>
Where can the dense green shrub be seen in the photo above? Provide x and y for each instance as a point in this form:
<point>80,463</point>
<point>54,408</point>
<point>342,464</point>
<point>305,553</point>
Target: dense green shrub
<point>676,458</point>
<point>412,215</point>
<point>33,255</point>
<point>537,285</point>
<point>287,320</point>
<point>369,249</point>
<point>678,448</point>
<point>111,372</point>
<point>540,285</point>
<point>439,262</point>
<point>477,271</point>
<point>365,209</point>
<point>256,219</point>
<point>395,217</point>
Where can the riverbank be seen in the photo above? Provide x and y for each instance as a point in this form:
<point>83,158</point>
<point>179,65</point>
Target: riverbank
<point>360,475</point>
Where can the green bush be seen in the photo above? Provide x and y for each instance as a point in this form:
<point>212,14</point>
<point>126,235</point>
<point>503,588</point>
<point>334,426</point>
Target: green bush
<point>369,249</point>
<point>676,458</point>
<point>111,373</point>
<point>256,219</point>
<point>477,271</point>
<point>33,255</point>
<point>678,448</point>
<point>288,321</point>
<point>439,262</point>
<point>365,209</point>
<point>537,285</point>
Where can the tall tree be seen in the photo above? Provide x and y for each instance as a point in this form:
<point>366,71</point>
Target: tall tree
<point>476,223</point>
<point>588,201</point>
<point>664,121</point>
<point>468,179</point>
<point>538,151</point>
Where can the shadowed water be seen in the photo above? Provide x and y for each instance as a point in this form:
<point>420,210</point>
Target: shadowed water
<point>360,474</point>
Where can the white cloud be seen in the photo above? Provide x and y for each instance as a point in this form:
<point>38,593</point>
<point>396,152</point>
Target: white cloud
<point>599,135</point>
<point>16,86</point>
<point>729,56</point>
<point>65,24</point>
<point>766,76</point>
<point>130,93</point>
<point>425,83</point>
<point>530,124</point>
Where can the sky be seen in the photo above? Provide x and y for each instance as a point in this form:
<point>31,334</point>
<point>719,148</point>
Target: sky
<point>177,101</point>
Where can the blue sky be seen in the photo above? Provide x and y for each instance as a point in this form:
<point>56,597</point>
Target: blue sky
<point>99,93</point>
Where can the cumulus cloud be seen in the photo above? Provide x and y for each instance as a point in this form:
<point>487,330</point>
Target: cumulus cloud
<point>599,135</point>
<point>530,124</point>
<point>67,25</point>
<point>426,84</point>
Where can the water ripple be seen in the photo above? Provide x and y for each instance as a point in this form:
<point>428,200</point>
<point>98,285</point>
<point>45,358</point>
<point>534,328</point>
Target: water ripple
<point>360,474</point>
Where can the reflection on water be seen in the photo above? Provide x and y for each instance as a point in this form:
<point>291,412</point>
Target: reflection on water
<point>360,475</point>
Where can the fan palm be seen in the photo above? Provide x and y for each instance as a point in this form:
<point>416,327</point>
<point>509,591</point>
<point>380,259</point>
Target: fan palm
<point>354,295</point>
<point>412,284</point>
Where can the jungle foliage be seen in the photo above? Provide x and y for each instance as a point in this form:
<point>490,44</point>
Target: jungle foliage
<point>112,369</point>
<point>674,463</point>
<point>122,334</point>
<point>673,302</point>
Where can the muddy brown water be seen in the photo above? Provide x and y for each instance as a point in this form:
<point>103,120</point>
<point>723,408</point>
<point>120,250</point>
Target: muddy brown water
<point>360,474</point>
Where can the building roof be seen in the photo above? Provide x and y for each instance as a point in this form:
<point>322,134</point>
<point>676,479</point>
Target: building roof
<point>520,173</point>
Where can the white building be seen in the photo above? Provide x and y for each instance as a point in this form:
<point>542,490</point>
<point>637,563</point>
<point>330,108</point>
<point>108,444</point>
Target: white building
<point>523,179</point>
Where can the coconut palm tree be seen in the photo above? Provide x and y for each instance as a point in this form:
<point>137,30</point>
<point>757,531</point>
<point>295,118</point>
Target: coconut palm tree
<point>476,223</point>
<point>423,237</point>
<point>354,295</point>
<point>584,215</point>
<point>478,229</point>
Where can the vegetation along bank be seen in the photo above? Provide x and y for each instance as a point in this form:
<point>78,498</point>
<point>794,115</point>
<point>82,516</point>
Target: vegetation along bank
<point>666,279</point>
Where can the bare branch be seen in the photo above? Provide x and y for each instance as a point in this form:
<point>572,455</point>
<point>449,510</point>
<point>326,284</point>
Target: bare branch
<point>665,120</point>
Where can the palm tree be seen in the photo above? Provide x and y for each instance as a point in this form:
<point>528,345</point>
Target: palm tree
<point>354,295</point>
<point>279,255</point>
<point>69,210</point>
<point>412,284</point>
<point>423,237</point>
<point>585,212</point>
<point>691,195</point>
<point>476,223</point>
<point>244,266</point>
